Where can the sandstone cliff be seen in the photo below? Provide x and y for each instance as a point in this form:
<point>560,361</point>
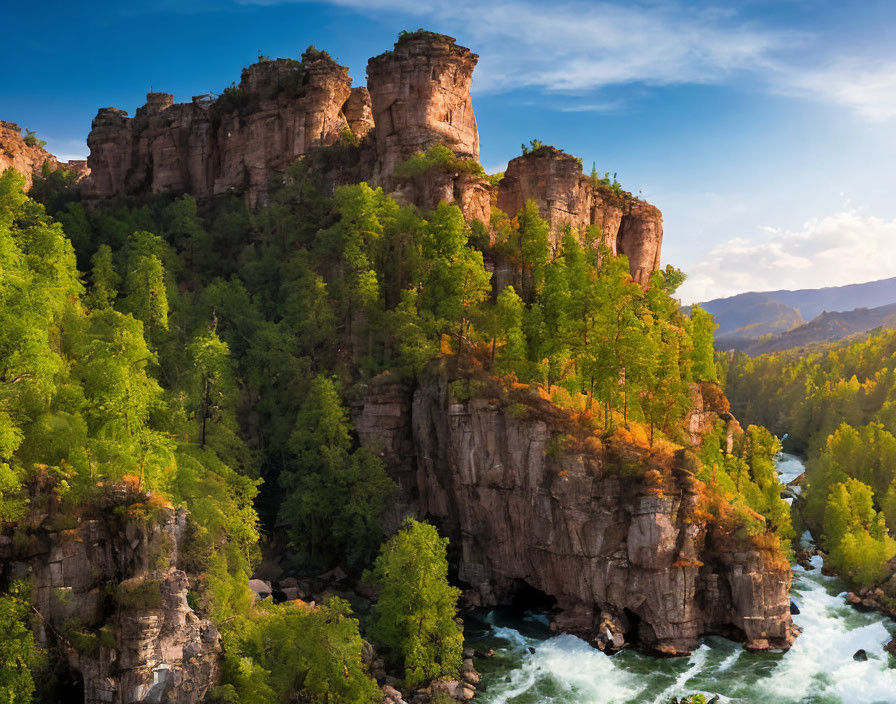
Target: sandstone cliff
<point>16,153</point>
<point>623,539</point>
<point>111,601</point>
<point>417,96</point>
<point>565,196</point>
<point>280,111</point>
<point>420,95</point>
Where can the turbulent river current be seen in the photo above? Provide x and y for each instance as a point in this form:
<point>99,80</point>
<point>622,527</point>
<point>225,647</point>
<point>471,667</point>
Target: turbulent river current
<point>530,666</point>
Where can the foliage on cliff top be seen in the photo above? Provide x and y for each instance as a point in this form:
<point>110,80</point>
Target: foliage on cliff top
<point>405,36</point>
<point>438,156</point>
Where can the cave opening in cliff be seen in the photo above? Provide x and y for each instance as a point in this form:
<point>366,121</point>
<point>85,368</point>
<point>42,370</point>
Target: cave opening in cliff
<point>633,623</point>
<point>528,598</point>
<point>61,685</point>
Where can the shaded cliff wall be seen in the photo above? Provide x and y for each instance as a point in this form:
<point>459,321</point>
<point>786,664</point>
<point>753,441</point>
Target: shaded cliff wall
<point>608,545</point>
<point>280,111</point>
<point>565,196</point>
<point>112,601</point>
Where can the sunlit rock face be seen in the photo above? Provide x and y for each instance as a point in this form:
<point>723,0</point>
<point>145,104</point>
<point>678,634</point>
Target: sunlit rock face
<point>111,597</point>
<point>29,159</point>
<point>566,197</point>
<point>235,143</point>
<point>586,528</point>
<point>420,96</point>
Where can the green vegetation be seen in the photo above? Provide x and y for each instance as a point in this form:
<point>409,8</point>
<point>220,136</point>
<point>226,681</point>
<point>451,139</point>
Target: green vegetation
<point>414,617</point>
<point>748,477</point>
<point>336,493</point>
<point>18,654</point>
<point>839,406</point>
<point>214,350</point>
<point>31,139</point>
<point>534,146</point>
<point>292,652</point>
<point>605,181</point>
<point>437,156</point>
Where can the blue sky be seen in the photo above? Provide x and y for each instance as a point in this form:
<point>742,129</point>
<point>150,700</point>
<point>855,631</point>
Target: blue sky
<point>763,130</point>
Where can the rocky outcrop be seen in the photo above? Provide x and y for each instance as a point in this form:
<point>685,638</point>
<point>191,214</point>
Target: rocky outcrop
<point>112,602</point>
<point>417,96</point>
<point>565,196</point>
<point>237,142</point>
<point>618,536</point>
<point>29,157</point>
<point>420,95</point>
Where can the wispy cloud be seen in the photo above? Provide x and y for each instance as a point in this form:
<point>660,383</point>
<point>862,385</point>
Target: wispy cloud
<point>578,46</point>
<point>841,248</point>
<point>608,106</point>
<point>584,46</point>
<point>865,85</point>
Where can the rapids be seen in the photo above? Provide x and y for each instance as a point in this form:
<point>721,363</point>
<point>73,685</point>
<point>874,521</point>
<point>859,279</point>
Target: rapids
<point>530,666</point>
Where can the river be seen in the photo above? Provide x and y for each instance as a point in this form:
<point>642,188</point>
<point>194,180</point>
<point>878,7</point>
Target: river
<point>530,666</point>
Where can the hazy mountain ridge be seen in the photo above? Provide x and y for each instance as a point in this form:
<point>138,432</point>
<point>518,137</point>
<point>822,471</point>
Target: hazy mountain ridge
<point>801,317</point>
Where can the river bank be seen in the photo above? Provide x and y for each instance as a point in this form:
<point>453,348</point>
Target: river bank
<point>531,665</point>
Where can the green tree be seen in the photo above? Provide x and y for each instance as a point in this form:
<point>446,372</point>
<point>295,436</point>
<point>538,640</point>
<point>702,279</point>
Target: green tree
<point>18,654</point>
<point>147,296</point>
<point>336,493</point>
<point>215,387</point>
<point>104,278</point>
<point>293,652</point>
<point>702,328</point>
<point>414,616</point>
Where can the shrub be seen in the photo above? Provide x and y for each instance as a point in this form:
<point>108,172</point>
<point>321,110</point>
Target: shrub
<point>438,156</point>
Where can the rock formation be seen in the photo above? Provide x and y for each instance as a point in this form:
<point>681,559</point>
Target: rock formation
<point>611,546</point>
<point>417,96</point>
<point>112,601</point>
<point>420,95</point>
<point>280,111</point>
<point>565,196</point>
<point>16,153</point>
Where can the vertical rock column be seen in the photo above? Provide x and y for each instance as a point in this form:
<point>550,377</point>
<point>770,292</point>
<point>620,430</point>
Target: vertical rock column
<point>420,95</point>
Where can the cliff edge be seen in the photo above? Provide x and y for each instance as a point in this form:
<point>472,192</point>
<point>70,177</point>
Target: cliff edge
<point>625,539</point>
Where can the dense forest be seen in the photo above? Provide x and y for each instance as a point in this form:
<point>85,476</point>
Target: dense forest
<point>207,354</point>
<point>838,406</point>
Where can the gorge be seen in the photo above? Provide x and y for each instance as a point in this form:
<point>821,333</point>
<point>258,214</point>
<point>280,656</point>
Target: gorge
<point>315,288</point>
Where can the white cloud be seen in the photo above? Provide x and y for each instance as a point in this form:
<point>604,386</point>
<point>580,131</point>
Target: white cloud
<point>838,249</point>
<point>578,46</point>
<point>867,86</point>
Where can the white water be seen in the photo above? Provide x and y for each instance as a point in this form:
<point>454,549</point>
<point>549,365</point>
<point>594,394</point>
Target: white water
<point>530,667</point>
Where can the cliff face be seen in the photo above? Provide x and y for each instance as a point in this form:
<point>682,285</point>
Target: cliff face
<point>420,94</point>
<point>417,96</point>
<point>565,196</point>
<point>616,551</point>
<point>280,111</point>
<point>26,158</point>
<point>112,602</point>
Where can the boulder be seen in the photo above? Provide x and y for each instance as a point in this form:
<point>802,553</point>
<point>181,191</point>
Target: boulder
<point>260,589</point>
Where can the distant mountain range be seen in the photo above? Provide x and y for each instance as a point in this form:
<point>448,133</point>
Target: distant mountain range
<point>772,321</point>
